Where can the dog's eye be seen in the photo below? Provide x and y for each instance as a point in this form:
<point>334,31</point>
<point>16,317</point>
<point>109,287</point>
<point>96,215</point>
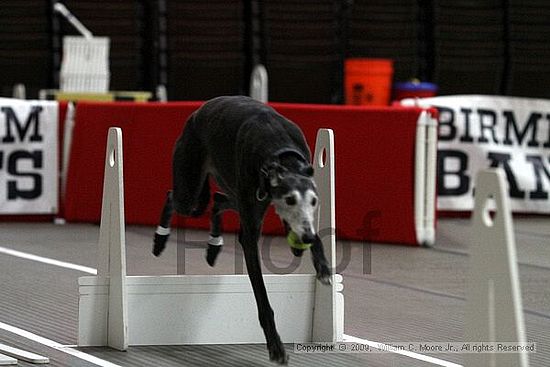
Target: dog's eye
<point>290,200</point>
<point>313,201</point>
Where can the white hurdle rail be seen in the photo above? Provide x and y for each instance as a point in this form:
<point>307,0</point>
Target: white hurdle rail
<point>494,311</point>
<point>117,310</point>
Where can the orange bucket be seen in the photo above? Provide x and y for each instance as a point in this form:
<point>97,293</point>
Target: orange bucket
<point>368,81</point>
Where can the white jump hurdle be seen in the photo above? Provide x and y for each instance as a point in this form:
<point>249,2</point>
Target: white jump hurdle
<point>494,310</point>
<point>117,310</point>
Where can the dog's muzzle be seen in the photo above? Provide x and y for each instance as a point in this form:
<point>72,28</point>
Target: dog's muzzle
<point>308,236</point>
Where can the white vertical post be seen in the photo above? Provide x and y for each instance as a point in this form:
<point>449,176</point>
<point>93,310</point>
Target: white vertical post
<point>259,83</point>
<point>162,93</point>
<point>494,310</point>
<point>431,176</point>
<point>67,141</point>
<point>112,253</point>
<point>424,179</point>
<point>420,177</point>
<point>19,91</point>
<point>327,299</point>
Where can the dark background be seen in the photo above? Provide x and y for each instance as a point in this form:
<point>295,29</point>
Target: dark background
<point>203,48</point>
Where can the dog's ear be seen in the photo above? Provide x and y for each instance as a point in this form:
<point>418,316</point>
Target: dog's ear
<point>276,172</point>
<point>308,170</point>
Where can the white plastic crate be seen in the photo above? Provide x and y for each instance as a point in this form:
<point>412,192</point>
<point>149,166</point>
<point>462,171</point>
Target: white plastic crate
<point>85,65</point>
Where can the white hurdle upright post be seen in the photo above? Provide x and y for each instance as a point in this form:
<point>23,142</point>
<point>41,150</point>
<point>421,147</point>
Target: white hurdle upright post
<point>327,299</point>
<point>119,310</point>
<point>494,310</point>
<point>112,242</point>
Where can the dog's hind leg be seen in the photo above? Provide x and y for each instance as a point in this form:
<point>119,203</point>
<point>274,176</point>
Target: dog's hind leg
<point>221,203</point>
<point>203,199</point>
<point>163,229</point>
<point>190,177</point>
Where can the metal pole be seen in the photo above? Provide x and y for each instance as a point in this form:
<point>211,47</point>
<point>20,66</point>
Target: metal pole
<point>62,9</point>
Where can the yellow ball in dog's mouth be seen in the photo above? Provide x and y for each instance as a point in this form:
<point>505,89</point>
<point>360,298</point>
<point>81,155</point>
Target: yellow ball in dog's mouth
<point>294,241</point>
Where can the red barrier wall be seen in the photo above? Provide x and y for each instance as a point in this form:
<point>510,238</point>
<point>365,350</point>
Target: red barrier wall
<point>374,164</point>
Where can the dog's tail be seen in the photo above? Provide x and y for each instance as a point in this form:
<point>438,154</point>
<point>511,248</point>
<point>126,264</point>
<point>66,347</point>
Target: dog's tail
<point>163,230</point>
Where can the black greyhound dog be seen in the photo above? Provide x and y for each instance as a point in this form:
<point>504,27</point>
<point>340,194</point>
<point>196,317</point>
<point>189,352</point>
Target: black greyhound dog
<point>257,157</point>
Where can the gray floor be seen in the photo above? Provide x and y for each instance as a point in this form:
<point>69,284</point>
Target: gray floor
<point>392,293</point>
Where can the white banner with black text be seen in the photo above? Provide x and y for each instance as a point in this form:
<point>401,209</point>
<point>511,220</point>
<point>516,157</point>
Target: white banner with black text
<point>28,157</point>
<point>478,132</point>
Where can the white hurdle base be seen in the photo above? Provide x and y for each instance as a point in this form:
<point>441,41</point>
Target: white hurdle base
<point>494,311</point>
<point>203,309</point>
<point>16,353</point>
<point>7,360</point>
<point>199,309</point>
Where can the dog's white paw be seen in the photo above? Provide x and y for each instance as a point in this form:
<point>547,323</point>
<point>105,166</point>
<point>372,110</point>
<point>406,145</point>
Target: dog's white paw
<point>324,275</point>
<point>278,354</point>
<point>325,279</point>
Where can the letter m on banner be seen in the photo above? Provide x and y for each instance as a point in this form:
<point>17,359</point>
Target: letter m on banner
<point>28,157</point>
<point>22,128</point>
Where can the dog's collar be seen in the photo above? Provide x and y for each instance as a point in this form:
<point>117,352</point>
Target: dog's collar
<point>262,192</point>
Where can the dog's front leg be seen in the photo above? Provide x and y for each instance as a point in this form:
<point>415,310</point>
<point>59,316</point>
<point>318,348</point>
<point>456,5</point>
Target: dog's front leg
<point>320,261</point>
<point>250,233</point>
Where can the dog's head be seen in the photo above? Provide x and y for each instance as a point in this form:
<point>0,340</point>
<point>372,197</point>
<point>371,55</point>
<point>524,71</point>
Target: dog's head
<point>294,195</point>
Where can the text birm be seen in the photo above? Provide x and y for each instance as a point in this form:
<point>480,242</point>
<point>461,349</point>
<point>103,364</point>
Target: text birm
<point>501,131</point>
<point>16,131</point>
